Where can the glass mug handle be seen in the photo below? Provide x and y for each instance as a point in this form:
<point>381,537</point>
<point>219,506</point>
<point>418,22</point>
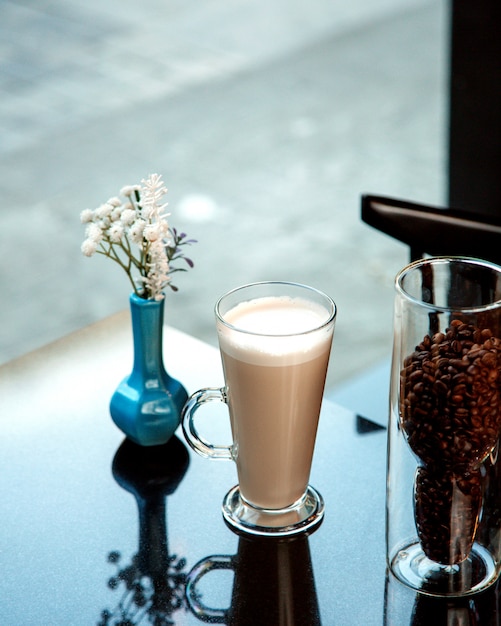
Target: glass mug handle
<point>193,597</point>
<point>196,441</point>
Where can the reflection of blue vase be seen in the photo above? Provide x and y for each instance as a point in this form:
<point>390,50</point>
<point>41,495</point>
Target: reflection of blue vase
<point>147,405</point>
<point>150,475</point>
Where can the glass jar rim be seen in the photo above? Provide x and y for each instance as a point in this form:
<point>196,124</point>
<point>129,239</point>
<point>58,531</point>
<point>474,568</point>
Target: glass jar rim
<point>444,260</point>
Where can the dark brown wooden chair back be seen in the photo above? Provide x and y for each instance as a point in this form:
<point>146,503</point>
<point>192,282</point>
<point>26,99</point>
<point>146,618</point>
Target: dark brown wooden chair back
<point>435,231</point>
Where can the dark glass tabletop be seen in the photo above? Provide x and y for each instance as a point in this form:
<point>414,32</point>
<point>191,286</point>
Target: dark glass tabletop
<point>97,530</point>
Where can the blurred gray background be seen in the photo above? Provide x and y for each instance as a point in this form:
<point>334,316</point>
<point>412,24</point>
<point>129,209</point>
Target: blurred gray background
<point>267,118</point>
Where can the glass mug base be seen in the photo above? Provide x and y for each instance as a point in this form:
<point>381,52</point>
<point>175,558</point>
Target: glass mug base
<point>411,566</point>
<point>304,515</point>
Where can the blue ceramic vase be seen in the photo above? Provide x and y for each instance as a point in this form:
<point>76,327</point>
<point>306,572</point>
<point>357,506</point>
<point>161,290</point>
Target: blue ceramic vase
<point>147,405</point>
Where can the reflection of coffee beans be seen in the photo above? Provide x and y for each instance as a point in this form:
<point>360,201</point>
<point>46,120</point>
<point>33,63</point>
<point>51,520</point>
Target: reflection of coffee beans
<point>447,509</point>
<point>450,400</point>
<point>450,412</point>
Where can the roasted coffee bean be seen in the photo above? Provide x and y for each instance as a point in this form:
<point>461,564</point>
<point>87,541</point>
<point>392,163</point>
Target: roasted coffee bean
<point>450,413</point>
<point>456,346</point>
<point>453,387</point>
<point>447,509</point>
<point>489,359</point>
<point>440,387</point>
<point>438,338</point>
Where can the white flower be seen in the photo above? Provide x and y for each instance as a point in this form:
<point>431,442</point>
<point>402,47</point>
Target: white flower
<point>104,211</point>
<point>152,232</point>
<point>128,190</point>
<point>113,227</point>
<point>147,213</point>
<point>115,232</point>
<point>89,247</point>
<point>164,229</point>
<point>159,256</point>
<point>116,214</point>
<point>153,188</point>
<point>103,224</point>
<point>86,216</point>
<point>128,217</point>
<point>152,192</point>
<point>158,271</point>
<point>136,231</point>
<point>94,233</point>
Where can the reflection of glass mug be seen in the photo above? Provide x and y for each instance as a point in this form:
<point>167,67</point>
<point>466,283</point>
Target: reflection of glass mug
<point>273,585</point>
<point>275,340</point>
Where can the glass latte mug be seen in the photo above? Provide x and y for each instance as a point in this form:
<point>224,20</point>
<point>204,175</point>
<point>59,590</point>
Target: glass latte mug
<point>275,339</point>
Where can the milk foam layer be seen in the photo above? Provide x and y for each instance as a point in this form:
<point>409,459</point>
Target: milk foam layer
<point>268,330</point>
